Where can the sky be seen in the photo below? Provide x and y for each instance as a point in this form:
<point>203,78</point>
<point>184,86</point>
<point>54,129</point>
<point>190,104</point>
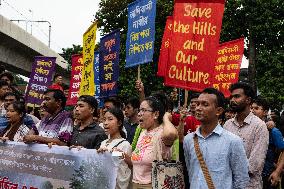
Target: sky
<point>69,20</point>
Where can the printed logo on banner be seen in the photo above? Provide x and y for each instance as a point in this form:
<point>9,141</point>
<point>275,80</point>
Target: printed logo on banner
<point>40,79</point>
<point>109,64</point>
<point>227,65</point>
<point>76,75</point>
<point>196,31</point>
<point>141,32</point>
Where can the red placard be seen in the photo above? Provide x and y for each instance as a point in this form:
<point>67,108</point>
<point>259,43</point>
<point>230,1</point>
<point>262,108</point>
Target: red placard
<point>195,35</point>
<point>165,48</point>
<point>227,65</point>
<point>76,75</point>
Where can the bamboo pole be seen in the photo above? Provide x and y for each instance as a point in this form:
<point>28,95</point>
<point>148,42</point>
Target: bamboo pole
<point>185,98</point>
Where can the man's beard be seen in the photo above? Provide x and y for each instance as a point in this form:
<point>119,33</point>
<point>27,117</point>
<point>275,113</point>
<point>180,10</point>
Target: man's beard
<point>237,108</point>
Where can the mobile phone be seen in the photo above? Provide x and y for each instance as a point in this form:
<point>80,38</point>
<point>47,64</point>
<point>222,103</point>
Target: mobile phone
<point>117,154</point>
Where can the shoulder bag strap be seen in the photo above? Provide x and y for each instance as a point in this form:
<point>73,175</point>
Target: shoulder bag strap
<point>118,144</point>
<point>202,163</point>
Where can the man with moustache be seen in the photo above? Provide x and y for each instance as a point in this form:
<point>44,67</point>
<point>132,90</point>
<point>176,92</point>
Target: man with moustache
<point>57,127</point>
<point>223,153</point>
<point>87,133</point>
<point>251,129</point>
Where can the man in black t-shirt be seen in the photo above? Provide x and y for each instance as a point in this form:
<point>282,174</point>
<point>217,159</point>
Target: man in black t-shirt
<point>87,134</point>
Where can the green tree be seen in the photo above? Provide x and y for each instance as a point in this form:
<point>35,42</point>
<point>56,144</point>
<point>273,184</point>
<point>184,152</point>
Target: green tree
<point>68,52</point>
<point>262,24</point>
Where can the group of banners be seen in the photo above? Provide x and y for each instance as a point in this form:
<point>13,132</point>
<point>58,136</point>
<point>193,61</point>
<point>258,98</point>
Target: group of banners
<point>102,73</point>
<point>194,61</point>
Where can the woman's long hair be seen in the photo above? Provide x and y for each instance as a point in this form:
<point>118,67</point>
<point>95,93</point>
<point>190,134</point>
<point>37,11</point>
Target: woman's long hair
<point>120,118</point>
<point>19,107</point>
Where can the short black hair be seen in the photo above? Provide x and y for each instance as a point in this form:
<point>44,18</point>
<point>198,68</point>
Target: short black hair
<point>134,102</point>
<point>3,83</point>
<point>56,76</point>
<point>12,94</point>
<point>92,101</point>
<point>65,87</point>
<point>9,75</point>
<point>260,101</point>
<point>57,95</point>
<point>115,101</point>
<point>219,95</point>
<point>248,90</point>
<point>194,95</point>
<point>2,69</point>
<point>19,107</point>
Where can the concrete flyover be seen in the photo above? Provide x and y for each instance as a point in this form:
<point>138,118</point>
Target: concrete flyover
<point>18,49</point>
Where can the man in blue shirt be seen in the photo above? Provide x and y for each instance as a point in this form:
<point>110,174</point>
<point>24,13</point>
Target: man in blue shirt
<point>222,151</point>
<point>270,174</point>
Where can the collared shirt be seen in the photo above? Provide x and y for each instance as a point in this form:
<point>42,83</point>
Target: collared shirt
<point>21,132</point>
<point>60,126</point>
<point>255,137</point>
<point>19,135</point>
<point>130,130</point>
<point>224,155</point>
<point>28,121</point>
<point>90,137</point>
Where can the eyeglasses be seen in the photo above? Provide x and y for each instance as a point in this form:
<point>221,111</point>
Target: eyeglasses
<point>142,110</point>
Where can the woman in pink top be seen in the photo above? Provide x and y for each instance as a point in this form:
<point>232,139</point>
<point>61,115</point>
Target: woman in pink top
<point>158,130</point>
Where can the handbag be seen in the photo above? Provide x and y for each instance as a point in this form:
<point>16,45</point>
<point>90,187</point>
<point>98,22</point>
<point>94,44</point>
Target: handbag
<point>166,174</point>
<point>202,163</point>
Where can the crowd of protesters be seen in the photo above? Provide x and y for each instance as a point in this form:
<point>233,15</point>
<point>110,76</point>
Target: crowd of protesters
<point>240,142</point>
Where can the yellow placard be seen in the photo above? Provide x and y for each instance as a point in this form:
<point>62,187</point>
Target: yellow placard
<point>87,86</point>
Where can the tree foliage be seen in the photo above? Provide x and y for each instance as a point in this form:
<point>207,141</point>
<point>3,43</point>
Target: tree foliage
<point>261,23</point>
<point>68,52</point>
